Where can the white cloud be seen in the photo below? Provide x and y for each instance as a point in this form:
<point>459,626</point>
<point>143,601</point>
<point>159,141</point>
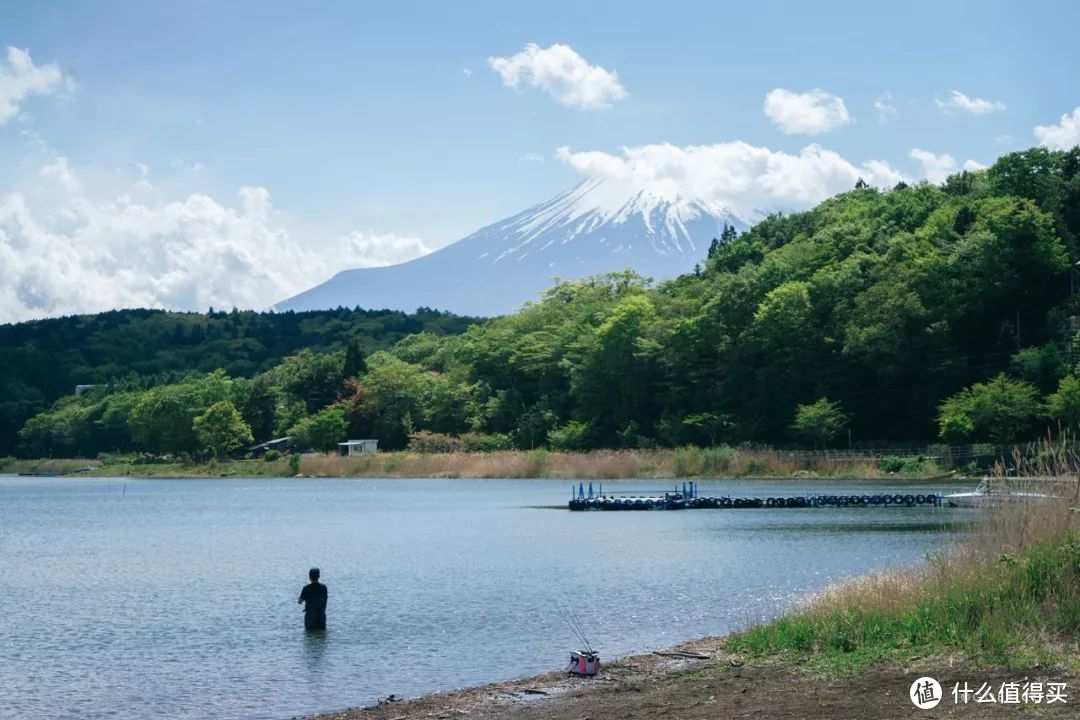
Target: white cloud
<point>747,179</point>
<point>959,102</point>
<point>561,73</point>
<point>467,72</point>
<point>143,181</point>
<point>1062,136</point>
<point>63,252</point>
<point>532,158</point>
<point>938,167</point>
<point>884,107</point>
<point>375,250</point>
<point>19,77</point>
<point>59,172</point>
<point>810,113</point>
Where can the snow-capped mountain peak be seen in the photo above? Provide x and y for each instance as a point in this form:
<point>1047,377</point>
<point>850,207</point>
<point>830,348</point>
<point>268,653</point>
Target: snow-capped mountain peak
<point>596,226</point>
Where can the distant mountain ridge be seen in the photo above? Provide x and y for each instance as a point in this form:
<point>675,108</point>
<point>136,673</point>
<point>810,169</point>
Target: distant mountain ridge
<point>595,227</point>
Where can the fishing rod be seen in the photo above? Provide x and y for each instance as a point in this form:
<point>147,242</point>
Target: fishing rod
<point>573,621</point>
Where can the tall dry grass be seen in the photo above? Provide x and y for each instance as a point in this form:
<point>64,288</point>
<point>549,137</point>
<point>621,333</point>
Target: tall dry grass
<point>687,462</point>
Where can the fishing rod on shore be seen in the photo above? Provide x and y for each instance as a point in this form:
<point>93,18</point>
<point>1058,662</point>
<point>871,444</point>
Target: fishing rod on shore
<point>586,661</point>
<point>578,629</point>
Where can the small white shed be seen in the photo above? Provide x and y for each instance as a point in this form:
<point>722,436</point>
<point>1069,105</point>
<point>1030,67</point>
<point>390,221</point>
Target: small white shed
<point>359,447</point>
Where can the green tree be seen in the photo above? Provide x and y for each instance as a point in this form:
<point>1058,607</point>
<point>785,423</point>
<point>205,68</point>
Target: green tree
<point>614,387</point>
<point>258,404</point>
<point>222,429</point>
<point>1063,405</point>
<point>1001,410</point>
<point>321,431</point>
<point>312,378</point>
<point>708,423</point>
<point>163,418</point>
<point>354,360</point>
<point>1041,366</point>
<point>821,421</point>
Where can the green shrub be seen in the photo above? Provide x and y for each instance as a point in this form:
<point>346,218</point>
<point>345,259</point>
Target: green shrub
<point>717,460</point>
<point>294,463</point>
<point>486,442</point>
<point>574,435</point>
<point>538,462</point>
<point>686,461</point>
<point>892,464</point>
<point>913,466</point>
<point>272,455</point>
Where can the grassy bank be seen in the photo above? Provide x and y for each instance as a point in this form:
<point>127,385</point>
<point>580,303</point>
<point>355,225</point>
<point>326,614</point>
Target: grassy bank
<point>689,462</point>
<point>1007,595</point>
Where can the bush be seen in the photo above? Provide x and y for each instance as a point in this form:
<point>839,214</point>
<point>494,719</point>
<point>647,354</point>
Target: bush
<point>272,455</point>
<point>424,441</point>
<point>485,442</point>
<point>686,461</point>
<point>913,466</point>
<point>892,464</point>
<point>717,460</point>
<point>294,463</point>
<point>538,461</point>
<point>574,435</point>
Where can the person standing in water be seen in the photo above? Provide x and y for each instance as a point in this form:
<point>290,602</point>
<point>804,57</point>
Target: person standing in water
<point>314,598</point>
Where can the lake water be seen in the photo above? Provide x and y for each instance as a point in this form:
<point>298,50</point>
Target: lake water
<point>124,598</point>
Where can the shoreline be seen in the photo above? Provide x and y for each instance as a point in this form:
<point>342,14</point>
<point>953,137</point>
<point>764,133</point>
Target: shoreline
<point>719,684</point>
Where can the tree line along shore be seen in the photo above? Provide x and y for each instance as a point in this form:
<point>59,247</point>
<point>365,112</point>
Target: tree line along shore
<point>925,312</point>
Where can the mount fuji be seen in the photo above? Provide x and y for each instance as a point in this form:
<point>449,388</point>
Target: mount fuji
<point>596,227</point>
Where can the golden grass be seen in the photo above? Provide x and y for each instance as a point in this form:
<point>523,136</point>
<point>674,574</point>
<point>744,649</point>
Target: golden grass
<point>689,462</point>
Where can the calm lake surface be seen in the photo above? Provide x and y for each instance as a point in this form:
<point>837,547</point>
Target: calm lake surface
<point>125,598</point>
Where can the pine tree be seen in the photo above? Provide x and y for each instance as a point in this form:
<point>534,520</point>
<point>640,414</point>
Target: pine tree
<point>354,360</point>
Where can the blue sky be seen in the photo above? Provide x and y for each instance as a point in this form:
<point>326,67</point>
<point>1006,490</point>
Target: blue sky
<point>387,118</point>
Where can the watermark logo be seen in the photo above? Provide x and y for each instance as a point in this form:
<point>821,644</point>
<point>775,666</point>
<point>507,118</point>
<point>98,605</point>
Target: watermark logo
<point>925,693</point>
<point>1034,692</point>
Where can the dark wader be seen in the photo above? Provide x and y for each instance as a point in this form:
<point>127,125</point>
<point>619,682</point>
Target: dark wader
<point>314,597</point>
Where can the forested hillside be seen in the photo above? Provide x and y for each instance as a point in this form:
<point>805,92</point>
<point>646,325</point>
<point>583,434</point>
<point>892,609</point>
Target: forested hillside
<point>44,360</point>
<point>903,315</point>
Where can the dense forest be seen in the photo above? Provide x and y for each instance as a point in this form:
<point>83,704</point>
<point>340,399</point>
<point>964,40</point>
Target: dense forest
<point>906,315</point>
<point>44,360</point>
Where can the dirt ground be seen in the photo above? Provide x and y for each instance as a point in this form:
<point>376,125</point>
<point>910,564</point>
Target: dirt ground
<point>720,687</point>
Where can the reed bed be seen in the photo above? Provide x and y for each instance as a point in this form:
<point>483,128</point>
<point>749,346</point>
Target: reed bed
<point>689,462</point>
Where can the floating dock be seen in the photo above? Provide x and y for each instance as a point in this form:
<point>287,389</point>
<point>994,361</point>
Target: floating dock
<point>689,499</point>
